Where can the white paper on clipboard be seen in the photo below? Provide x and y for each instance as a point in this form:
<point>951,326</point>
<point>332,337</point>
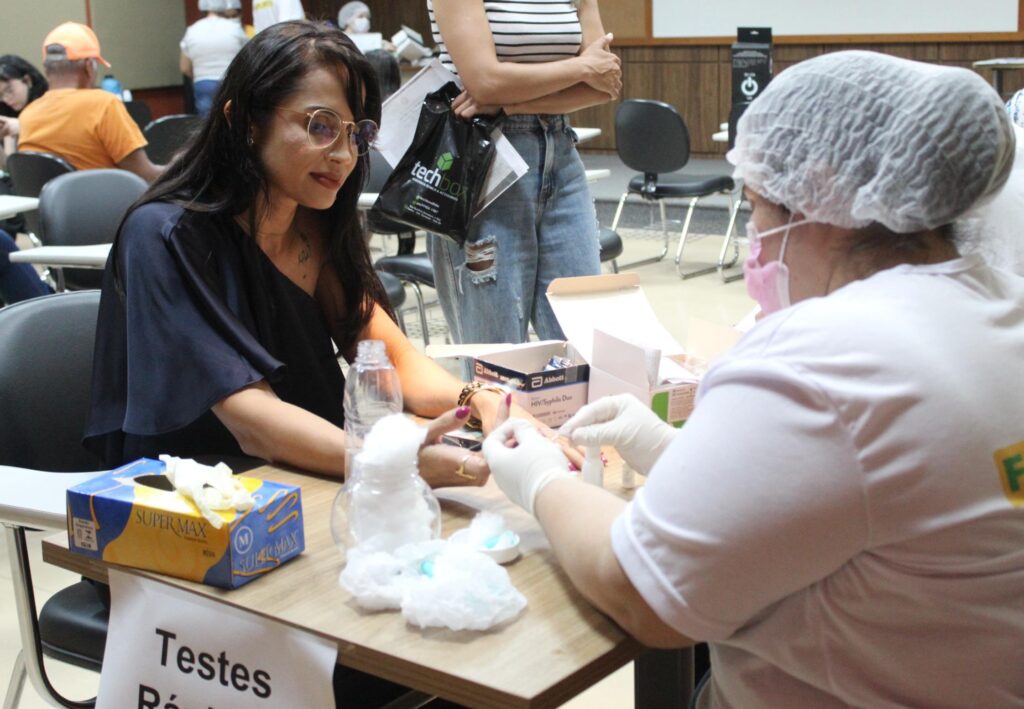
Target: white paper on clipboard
<point>401,113</point>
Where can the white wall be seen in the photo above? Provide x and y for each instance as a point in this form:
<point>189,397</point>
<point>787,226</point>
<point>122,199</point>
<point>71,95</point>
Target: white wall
<point>138,37</point>
<point>720,18</point>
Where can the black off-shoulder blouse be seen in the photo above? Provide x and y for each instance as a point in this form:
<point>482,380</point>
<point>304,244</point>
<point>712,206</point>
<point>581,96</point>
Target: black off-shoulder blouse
<point>204,313</point>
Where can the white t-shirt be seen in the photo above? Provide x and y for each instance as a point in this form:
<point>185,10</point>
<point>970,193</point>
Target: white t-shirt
<point>211,43</point>
<point>269,12</point>
<point>840,517</point>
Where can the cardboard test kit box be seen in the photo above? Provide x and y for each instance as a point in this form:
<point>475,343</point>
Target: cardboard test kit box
<point>133,517</point>
<point>615,344</point>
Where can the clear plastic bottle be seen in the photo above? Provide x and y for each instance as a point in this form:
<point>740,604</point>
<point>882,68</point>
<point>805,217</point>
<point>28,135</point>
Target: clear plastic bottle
<point>372,391</point>
<point>383,507</point>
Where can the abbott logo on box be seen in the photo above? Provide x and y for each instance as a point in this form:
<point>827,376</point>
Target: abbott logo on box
<point>436,178</point>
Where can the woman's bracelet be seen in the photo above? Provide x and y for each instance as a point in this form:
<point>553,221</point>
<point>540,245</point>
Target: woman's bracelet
<point>471,390</point>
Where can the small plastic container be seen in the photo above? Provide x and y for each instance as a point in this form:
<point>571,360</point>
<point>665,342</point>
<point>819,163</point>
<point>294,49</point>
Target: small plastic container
<point>503,548</point>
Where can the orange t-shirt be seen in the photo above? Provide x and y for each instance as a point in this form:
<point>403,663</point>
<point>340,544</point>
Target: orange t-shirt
<point>90,128</point>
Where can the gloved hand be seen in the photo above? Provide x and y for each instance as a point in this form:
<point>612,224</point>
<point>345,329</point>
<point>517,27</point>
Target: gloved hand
<point>621,421</point>
<point>522,472</point>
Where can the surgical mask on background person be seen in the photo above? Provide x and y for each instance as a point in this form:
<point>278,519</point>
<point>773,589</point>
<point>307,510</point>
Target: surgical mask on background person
<point>768,284</point>
<point>361,25</point>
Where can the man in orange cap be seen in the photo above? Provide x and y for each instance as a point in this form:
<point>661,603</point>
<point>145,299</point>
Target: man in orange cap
<point>88,127</point>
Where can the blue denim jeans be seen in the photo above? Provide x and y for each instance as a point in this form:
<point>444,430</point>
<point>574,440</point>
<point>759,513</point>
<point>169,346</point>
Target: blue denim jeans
<point>543,227</point>
<point>205,91</point>
<point>18,281</point>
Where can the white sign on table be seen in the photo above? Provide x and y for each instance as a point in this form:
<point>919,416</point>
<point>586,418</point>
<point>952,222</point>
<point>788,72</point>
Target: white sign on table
<point>401,113</point>
<point>167,647</point>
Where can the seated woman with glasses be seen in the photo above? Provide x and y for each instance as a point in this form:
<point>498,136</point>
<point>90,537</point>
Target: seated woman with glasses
<point>233,279</point>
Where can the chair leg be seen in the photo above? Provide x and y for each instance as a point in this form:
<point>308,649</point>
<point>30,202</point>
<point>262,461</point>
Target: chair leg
<point>664,227</point>
<point>401,320</point>
<point>423,311</point>
<point>682,245</point>
<point>17,683</point>
<point>731,237</point>
<point>28,621</point>
<point>618,211</point>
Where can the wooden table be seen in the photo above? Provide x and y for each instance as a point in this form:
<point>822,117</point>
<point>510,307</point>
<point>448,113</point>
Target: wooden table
<point>558,647</point>
<point>10,205</point>
<point>998,66</point>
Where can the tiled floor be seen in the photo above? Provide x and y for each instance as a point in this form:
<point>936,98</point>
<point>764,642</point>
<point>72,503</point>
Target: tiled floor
<point>674,301</point>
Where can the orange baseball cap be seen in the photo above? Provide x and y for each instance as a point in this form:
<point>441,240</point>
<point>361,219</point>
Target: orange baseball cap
<point>77,41</point>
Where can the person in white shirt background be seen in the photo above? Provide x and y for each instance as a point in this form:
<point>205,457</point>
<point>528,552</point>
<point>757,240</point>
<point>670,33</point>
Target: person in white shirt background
<point>354,20</point>
<point>208,47</point>
<point>842,516</point>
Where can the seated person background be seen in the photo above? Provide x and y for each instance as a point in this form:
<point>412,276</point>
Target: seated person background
<point>18,281</point>
<point>230,284</point>
<point>88,127</point>
<point>20,84</point>
<point>842,515</point>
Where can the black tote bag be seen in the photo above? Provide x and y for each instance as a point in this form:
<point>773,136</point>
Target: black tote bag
<point>437,183</point>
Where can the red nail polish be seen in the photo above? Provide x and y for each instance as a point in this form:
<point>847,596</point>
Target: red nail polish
<point>508,399</point>
<point>573,468</point>
<point>462,412</point>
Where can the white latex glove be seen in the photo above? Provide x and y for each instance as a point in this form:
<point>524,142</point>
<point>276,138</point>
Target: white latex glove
<point>523,471</point>
<point>624,422</point>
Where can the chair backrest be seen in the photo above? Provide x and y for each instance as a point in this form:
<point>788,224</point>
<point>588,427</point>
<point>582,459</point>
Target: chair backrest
<point>84,208</point>
<point>651,136</point>
<point>140,113</point>
<point>168,135</point>
<point>46,347</point>
<point>380,171</point>
<point>29,172</point>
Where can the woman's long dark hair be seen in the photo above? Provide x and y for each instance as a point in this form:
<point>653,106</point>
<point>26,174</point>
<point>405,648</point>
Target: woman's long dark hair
<point>14,67</point>
<point>219,172</point>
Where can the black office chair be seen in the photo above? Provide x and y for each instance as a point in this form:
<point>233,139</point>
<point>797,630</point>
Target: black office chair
<point>84,208</point>
<point>415,271</point>
<point>29,172</point>
<point>140,113</point>
<point>652,137</point>
<point>46,347</point>
<point>611,247</point>
<point>168,135</point>
<point>396,294</point>
<point>379,223</point>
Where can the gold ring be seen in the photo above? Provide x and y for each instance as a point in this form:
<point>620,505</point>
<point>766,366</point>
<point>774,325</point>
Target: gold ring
<point>461,470</point>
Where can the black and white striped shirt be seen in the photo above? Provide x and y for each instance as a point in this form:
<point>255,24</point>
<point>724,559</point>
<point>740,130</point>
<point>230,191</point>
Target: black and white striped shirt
<point>525,30</point>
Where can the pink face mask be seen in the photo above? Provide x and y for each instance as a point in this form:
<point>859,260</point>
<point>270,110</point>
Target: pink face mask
<point>768,284</point>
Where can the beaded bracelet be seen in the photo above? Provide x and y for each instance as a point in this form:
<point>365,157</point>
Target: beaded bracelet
<point>471,390</point>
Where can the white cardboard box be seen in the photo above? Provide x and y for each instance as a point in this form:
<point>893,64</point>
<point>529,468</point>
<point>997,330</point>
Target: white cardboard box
<point>610,325</point>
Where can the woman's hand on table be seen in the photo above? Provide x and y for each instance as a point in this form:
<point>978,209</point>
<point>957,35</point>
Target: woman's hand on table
<point>443,465</point>
<point>495,409</point>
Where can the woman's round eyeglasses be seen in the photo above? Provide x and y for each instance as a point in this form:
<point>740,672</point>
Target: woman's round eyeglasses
<point>324,127</point>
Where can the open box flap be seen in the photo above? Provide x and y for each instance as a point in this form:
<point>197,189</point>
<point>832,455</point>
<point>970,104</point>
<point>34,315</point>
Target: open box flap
<point>617,304</point>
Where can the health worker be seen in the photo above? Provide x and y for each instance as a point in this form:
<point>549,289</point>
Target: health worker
<point>842,516</point>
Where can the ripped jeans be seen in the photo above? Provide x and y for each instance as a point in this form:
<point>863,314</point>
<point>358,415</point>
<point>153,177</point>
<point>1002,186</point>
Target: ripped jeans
<point>543,227</point>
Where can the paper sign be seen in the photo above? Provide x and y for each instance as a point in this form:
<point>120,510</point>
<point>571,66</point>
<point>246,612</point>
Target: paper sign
<point>401,113</point>
<point>168,647</point>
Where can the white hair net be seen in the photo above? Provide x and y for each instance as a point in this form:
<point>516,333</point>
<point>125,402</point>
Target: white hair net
<point>349,10</point>
<point>852,138</point>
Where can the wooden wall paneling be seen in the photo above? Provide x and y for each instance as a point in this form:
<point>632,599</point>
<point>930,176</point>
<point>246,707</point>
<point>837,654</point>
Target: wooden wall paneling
<point>387,16</point>
<point>624,18</point>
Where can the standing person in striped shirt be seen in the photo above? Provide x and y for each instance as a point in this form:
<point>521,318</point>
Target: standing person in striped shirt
<point>537,60</point>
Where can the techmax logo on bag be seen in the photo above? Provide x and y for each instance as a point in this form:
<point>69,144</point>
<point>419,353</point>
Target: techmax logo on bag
<point>436,178</point>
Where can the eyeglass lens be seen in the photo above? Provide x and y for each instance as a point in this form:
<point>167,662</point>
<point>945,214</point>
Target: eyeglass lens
<point>325,127</point>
